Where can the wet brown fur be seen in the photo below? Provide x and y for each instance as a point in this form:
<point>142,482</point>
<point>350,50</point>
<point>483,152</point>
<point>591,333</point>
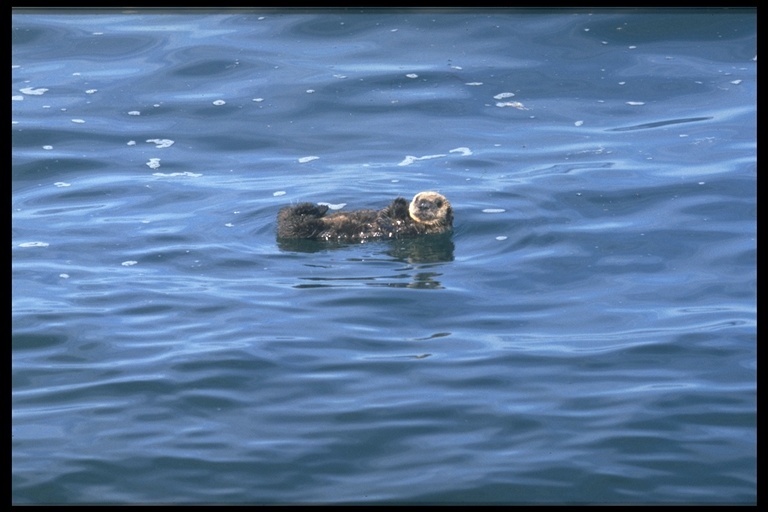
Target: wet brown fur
<point>427,213</point>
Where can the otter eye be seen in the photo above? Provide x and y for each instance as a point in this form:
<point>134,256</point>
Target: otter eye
<point>439,203</point>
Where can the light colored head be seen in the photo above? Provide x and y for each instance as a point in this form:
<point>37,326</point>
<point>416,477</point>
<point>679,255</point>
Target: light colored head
<point>431,209</point>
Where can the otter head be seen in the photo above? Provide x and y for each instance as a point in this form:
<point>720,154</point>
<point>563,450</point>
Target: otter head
<point>431,209</point>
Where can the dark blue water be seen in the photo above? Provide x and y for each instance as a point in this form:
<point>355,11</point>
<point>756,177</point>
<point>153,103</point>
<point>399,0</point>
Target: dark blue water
<point>588,334</point>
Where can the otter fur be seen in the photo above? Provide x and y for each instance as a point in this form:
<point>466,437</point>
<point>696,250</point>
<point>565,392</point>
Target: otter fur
<point>428,213</point>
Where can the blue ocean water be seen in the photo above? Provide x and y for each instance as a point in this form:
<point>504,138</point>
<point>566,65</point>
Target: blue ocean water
<point>588,334</point>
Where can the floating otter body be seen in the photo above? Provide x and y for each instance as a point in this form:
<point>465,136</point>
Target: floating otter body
<point>428,213</point>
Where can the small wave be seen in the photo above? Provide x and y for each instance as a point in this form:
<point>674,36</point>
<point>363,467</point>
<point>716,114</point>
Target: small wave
<point>658,124</point>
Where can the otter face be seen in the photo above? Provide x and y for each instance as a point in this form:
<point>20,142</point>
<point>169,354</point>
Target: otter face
<point>431,209</point>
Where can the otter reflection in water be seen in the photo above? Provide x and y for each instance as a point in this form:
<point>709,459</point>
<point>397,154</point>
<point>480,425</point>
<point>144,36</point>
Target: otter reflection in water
<point>426,249</point>
<point>429,213</point>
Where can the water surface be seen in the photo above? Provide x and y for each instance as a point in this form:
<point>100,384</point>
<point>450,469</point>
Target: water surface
<point>588,334</point>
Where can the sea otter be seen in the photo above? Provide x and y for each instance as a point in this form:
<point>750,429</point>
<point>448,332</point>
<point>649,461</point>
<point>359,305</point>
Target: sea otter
<point>428,213</point>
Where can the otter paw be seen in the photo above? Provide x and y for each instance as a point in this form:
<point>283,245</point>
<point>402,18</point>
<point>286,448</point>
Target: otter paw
<point>310,209</point>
